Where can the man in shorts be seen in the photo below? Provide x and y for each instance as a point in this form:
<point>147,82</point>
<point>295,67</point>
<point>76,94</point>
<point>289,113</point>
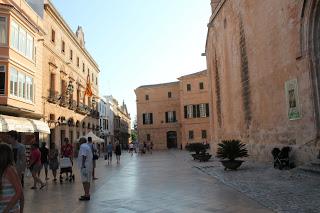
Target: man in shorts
<point>85,165</point>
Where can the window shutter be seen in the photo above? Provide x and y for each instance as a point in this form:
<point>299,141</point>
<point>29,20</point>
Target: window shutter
<point>198,111</point>
<point>144,118</point>
<point>174,116</point>
<point>166,117</point>
<point>207,110</point>
<point>151,118</point>
<point>185,112</point>
<point>194,110</point>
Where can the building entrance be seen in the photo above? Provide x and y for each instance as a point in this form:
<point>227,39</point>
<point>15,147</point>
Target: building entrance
<point>171,139</point>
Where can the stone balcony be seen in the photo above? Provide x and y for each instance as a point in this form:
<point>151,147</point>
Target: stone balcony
<point>72,105</point>
<point>64,102</point>
<point>53,96</point>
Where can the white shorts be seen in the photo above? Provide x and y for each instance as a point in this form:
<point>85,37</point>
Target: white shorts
<point>86,175</point>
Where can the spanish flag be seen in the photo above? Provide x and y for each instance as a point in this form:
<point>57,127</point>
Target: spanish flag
<point>88,91</point>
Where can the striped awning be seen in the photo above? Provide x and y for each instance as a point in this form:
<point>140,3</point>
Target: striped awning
<point>20,124</point>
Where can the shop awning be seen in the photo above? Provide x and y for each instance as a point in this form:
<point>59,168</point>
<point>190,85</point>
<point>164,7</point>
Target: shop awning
<point>20,124</point>
<point>8,123</point>
<point>40,126</point>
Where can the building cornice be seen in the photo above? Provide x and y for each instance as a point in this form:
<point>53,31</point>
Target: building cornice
<point>49,7</point>
<point>13,8</point>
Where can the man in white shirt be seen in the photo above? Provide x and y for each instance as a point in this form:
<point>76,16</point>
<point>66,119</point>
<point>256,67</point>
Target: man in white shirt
<point>85,165</point>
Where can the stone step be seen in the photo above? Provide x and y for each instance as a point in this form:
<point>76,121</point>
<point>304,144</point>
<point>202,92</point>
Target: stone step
<point>310,168</point>
<point>316,163</point>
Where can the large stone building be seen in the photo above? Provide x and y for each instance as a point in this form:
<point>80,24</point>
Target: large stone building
<point>21,55</point>
<point>44,72</point>
<point>174,114</point>
<point>67,69</point>
<point>263,66</point>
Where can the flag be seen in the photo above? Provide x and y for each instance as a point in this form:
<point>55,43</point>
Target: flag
<point>88,91</point>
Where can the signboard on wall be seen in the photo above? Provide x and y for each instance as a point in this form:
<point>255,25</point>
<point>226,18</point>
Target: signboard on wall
<point>292,97</point>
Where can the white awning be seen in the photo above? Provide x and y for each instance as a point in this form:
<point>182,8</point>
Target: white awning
<point>40,126</point>
<point>8,123</point>
<point>20,124</point>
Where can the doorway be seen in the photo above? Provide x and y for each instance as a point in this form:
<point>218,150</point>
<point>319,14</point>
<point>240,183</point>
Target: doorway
<point>171,139</point>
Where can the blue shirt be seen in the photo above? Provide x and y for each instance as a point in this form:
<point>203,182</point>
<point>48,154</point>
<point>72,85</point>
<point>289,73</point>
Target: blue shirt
<point>109,148</point>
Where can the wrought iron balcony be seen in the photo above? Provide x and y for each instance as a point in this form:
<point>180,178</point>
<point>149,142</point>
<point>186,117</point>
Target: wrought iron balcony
<point>64,101</point>
<point>72,105</point>
<point>53,96</point>
<point>94,113</point>
<point>81,109</point>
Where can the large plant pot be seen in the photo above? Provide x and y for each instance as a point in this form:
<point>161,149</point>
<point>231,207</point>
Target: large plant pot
<point>231,164</point>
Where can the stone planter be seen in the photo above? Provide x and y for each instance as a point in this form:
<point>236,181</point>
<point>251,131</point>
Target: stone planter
<point>231,164</point>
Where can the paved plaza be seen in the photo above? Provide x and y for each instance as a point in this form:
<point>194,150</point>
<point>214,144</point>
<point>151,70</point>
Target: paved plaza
<point>161,182</point>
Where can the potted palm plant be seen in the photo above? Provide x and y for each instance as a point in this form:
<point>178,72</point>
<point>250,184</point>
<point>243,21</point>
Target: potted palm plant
<point>231,150</point>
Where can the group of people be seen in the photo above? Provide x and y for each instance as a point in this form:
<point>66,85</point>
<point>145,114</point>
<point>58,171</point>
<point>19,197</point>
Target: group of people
<point>109,150</point>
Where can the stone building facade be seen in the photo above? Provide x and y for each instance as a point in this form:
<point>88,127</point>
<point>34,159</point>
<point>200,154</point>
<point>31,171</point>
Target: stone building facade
<point>169,114</point>
<point>67,69</point>
<point>263,64</point>
<point>21,74</point>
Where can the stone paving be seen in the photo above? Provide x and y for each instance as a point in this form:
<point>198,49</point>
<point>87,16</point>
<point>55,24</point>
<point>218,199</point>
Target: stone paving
<point>163,182</point>
<point>284,191</point>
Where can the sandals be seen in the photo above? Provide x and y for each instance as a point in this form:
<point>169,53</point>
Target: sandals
<point>41,187</point>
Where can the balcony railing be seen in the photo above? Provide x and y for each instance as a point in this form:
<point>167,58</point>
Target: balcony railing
<point>72,105</point>
<point>81,109</point>
<point>53,96</point>
<point>64,101</point>
<point>94,114</point>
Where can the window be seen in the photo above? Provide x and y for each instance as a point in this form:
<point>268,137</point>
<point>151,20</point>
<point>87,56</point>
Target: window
<point>107,124</point>
<point>22,41</point>
<point>189,111</point>
<point>63,47</point>
<point>203,113</point>
<point>171,117</point>
<point>190,134</point>
<point>169,94</point>
<point>83,67</point>
<point>104,124</point>
<point>92,78</point>
<point>13,82</point>
<point>188,87</point>
<point>71,55</point>
<point>2,79</point>
<point>147,97</point>
<point>53,36</point>
<point>96,80</point>
<point>78,62</point>
<point>204,133</point>
<point>29,88</point>
<point>21,85</point>
<point>147,118</point>
<point>201,85</point>
<point>29,48</point>
<point>148,137</point>
<point>14,35</point>
<point>3,30</point>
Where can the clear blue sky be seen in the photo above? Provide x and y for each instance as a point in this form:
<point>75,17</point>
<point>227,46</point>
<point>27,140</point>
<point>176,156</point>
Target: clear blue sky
<point>139,42</point>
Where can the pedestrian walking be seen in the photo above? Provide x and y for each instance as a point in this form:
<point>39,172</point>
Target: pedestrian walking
<point>118,152</point>
<point>53,160</point>
<point>12,199</point>
<point>131,148</point>
<point>44,159</point>
<point>94,157</point>
<point>85,165</point>
<point>109,153</point>
<point>151,146</point>
<point>19,154</point>
<point>35,166</point>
